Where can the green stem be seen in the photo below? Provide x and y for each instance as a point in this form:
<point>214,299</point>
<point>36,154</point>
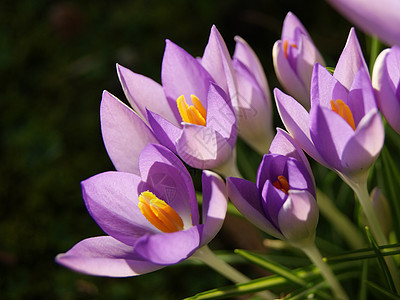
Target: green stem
<point>208,257</point>
<point>373,51</point>
<point>359,186</point>
<point>315,256</point>
<point>343,225</point>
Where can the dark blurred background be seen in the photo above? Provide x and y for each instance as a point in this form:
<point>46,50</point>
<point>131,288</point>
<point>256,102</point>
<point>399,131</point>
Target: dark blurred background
<point>56,58</point>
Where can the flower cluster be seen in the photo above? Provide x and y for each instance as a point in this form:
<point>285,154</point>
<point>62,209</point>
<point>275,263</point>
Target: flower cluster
<point>148,207</point>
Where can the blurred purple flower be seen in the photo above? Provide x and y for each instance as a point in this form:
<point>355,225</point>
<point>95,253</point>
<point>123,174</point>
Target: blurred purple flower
<point>294,57</point>
<point>152,220</point>
<point>282,201</point>
<point>343,130</point>
<point>379,18</point>
<point>191,113</point>
<point>386,82</point>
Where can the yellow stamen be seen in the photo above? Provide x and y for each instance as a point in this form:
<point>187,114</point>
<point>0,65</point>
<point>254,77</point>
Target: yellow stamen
<point>343,110</point>
<point>158,213</point>
<point>194,114</point>
<point>282,184</point>
<point>286,46</point>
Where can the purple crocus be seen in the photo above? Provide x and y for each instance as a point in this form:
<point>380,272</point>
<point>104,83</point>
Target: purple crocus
<point>343,130</point>
<point>190,113</point>
<point>253,111</point>
<point>282,201</point>
<point>386,82</point>
<point>379,18</point>
<point>294,56</point>
<point>152,220</point>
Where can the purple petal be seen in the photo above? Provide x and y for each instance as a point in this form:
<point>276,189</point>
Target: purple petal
<point>203,147</point>
<point>385,84</point>
<point>125,134</point>
<point>220,114</point>
<point>166,176</point>
<point>290,24</point>
<point>350,61</point>
<point>330,134</point>
<point>166,132</point>
<point>378,18</point>
<point>245,196</point>
<point>299,177</point>
<point>288,77</point>
<point>297,122</point>
<point>325,87</point>
<point>217,61</point>
<point>298,217</point>
<point>215,203</point>
<point>361,97</point>
<point>254,110</point>
<point>363,148</point>
<point>169,248</point>
<point>181,74</point>
<point>245,54</point>
<point>144,93</point>
<point>112,200</point>
<point>272,200</point>
<point>105,256</point>
<point>284,144</point>
<point>270,168</point>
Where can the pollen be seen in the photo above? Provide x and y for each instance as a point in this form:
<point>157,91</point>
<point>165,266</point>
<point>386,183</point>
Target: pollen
<point>158,213</point>
<point>282,184</point>
<point>286,47</point>
<point>343,110</point>
<point>194,114</point>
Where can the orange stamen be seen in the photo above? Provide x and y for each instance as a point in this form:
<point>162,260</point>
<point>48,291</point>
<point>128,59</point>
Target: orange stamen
<point>286,46</point>
<point>343,110</point>
<point>282,184</point>
<point>194,114</point>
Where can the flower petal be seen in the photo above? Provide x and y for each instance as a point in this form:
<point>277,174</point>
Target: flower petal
<point>378,18</point>
<point>105,256</point>
<point>297,122</point>
<point>290,24</point>
<point>287,76</point>
<point>245,196</point>
<point>166,132</point>
<point>272,200</point>
<point>166,176</point>
<point>271,167</point>
<point>350,61</point>
<point>125,134</point>
<point>144,93</point>
<point>215,203</point>
<point>217,61</point>
<point>112,200</point>
<point>330,134</point>
<point>169,248</point>
<point>246,55</point>
<point>325,87</point>
<point>181,74</point>
<point>298,218</point>
<point>364,147</point>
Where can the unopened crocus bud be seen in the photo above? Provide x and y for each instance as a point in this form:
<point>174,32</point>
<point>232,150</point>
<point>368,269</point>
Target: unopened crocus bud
<point>253,109</point>
<point>386,82</point>
<point>382,210</point>
<point>294,56</point>
<point>282,201</point>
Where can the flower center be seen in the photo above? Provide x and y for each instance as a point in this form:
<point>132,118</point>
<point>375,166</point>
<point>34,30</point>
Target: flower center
<point>282,184</point>
<point>159,213</point>
<point>194,114</point>
<point>343,110</point>
<point>286,46</point>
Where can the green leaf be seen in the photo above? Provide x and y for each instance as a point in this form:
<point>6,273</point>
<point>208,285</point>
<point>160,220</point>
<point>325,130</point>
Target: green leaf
<point>381,260</point>
<point>384,293</point>
<point>330,69</point>
<point>363,285</point>
<point>271,266</point>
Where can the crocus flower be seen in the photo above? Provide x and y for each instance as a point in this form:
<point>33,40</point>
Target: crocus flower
<point>386,82</point>
<point>253,111</point>
<point>343,130</point>
<point>190,113</point>
<point>294,57</point>
<point>152,220</point>
<point>379,18</point>
<point>282,201</point>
